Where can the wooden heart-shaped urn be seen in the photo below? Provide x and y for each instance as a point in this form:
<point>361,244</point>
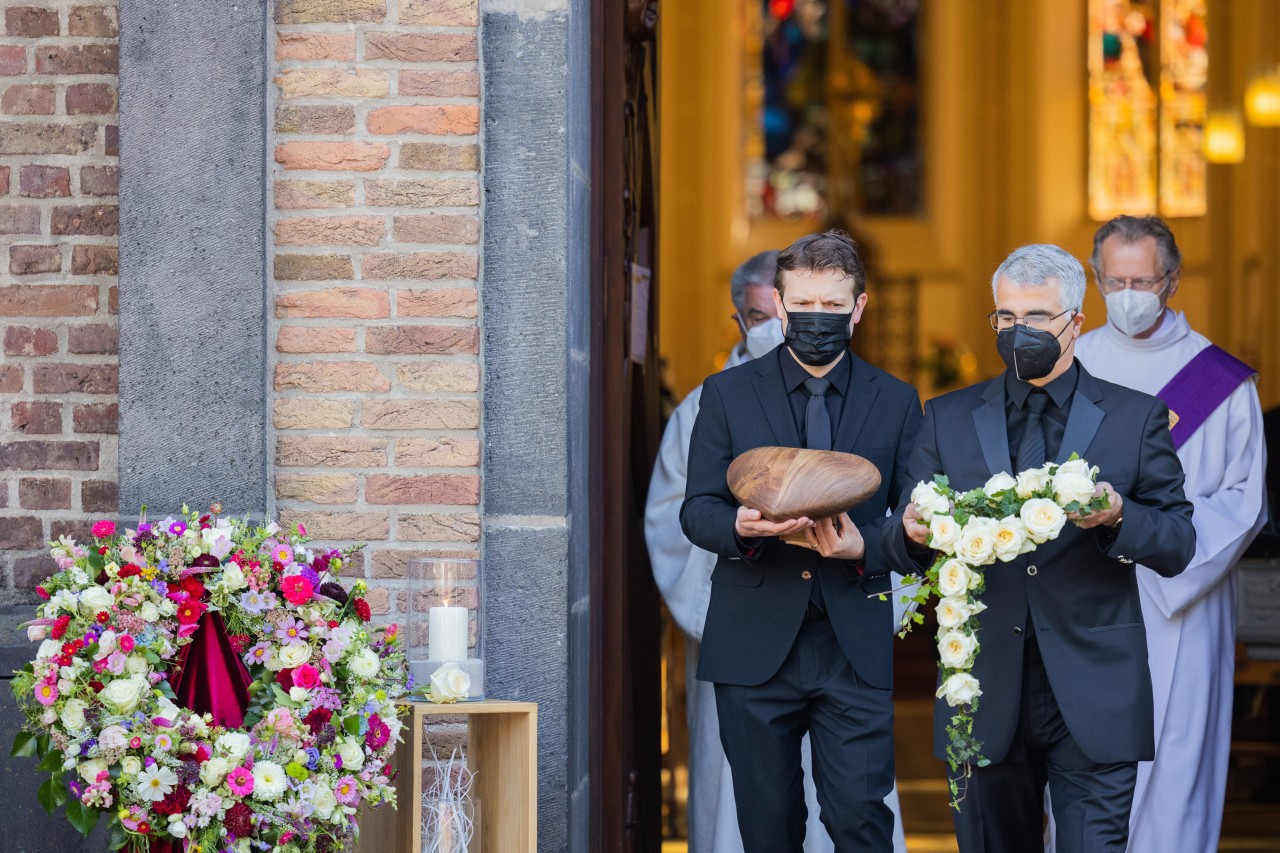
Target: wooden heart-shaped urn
<point>790,482</point>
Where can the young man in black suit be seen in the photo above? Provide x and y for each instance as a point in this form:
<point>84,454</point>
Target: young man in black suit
<point>1066,693</point>
<point>796,639</point>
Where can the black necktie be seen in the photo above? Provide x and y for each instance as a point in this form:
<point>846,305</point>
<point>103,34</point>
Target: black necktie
<point>817,422</point>
<point>817,436</point>
<point>1031,450</point>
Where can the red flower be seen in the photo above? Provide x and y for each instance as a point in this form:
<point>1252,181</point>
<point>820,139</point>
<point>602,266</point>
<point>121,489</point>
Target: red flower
<point>103,550</point>
<point>297,589</point>
<point>239,820</point>
<point>128,570</point>
<point>318,719</point>
<point>192,587</point>
<point>362,609</point>
<point>43,593</point>
<point>103,529</point>
<point>189,612</point>
<point>60,627</point>
<point>175,802</point>
<point>144,828</point>
<point>103,617</point>
<point>96,686</point>
<point>239,642</point>
<point>285,679</point>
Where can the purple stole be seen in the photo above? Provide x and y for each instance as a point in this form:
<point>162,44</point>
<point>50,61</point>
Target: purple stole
<point>1201,386</point>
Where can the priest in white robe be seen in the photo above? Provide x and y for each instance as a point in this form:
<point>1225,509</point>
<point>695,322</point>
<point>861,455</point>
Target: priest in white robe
<point>1190,619</point>
<point>683,575</point>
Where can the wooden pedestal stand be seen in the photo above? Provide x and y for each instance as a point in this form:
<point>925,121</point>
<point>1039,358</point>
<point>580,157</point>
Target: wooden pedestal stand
<point>502,750</point>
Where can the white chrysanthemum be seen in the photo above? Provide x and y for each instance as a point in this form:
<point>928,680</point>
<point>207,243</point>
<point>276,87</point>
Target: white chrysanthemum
<point>155,783</point>
<point>268,780</point>
<point>365,664</point>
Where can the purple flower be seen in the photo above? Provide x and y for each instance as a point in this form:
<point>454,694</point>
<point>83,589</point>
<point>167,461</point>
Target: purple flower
<point>292,631</point>
<point>310,574</point>
<point>258,654</point>
<point>177,528</point>
<point>144,529</point>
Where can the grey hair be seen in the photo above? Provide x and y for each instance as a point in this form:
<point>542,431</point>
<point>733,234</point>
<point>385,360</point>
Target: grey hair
<point>1132,229</point>
<point>756,271</point>
<point>1035,264</point>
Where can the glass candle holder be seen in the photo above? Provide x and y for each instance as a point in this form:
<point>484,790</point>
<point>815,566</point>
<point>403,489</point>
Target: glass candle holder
<point>446,620</point>
<point>450,825</point>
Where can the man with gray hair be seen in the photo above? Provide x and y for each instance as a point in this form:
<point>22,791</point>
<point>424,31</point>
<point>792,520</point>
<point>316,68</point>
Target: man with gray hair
<point>1066,694</point>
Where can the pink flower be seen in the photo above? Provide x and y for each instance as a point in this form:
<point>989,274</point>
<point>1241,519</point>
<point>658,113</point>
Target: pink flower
<point>378,734</point>
<point>297,589</point>
<point>348,791</point>
<point>302,531</point>
<point>42,592</point>
<point>46,693</point>
<point>103,529</point>
<point>240,781</point>
<point>306,676</point>
<point>115,663</point>
<point>135,742</point>
<point>125,643</point>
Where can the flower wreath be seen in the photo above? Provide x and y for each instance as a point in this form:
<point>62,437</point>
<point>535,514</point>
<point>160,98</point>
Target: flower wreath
<point>317,688</point>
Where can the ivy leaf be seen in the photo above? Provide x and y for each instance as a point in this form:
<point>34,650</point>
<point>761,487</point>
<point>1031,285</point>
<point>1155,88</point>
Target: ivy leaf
<point>52,762</point>
<point>352,724</point>
<point>52,794</point>
<point>82,817</point>
<point>119,838</point>
<point>24,745</point>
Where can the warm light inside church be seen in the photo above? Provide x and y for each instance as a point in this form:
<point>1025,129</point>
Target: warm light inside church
<point>1224,137</point>
<point>1262,100</point>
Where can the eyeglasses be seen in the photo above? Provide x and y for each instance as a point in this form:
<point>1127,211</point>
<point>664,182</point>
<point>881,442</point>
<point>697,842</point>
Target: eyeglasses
<point>1003,321</point>
<point>1111,285</point>
<point>753,318</point>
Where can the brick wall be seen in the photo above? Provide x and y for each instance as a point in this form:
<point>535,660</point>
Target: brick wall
<point>375,370</point>
<point>58,222</point>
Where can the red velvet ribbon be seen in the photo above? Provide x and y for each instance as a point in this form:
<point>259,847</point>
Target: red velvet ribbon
<point>212,679</point>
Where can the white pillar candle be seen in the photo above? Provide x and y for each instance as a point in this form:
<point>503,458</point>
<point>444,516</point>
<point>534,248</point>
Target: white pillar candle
<point>447,634</point>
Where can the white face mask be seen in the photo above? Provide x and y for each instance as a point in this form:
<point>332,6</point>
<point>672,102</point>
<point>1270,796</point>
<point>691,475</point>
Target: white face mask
<point>1133,311</point>
<point>764,337</point>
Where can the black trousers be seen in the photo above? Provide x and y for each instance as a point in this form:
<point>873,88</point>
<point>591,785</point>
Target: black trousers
<point>1003,811</point>
<point>850,726</point>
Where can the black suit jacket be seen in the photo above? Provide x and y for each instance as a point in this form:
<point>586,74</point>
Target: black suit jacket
<point>758,603</point>
<point>1080,589</point>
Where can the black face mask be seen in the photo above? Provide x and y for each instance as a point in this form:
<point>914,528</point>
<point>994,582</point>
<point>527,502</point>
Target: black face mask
<point>1029,353</point>
<point>816,337</point>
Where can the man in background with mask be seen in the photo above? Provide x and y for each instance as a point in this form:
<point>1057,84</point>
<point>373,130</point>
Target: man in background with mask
<point>683,574</point>
<point>796,638</point>
<point>1066,695</point>
<point>1190,619</point>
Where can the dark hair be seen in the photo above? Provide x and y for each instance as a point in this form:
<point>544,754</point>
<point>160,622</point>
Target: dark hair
<point>1130,230</point>
<point>831,250</point>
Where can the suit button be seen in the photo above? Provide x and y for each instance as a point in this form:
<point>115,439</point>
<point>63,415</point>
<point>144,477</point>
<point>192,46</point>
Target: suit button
<point>1031,570</point>
<point>807,575</point>
<point>1017,632</point>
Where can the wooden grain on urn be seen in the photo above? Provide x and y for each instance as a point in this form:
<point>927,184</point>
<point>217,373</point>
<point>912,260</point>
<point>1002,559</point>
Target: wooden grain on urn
<point>791,482</point>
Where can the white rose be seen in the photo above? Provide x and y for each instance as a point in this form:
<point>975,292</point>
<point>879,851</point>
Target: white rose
<point>953,578</point>
<point>37,632</point>
<point>960,688</point>
<point>1032,480</point>
<point>299,694</point>
<point>48,649</point>
<point>137,665</point>
<point>365,664</point>
<point>113,737</point>
<point>954,612</point>
<point>977,541</point>
<point>324,802</point>
<point>352,755</point>
<point>148,612</point>
<point>233,578</point>
<point>65,685</point>
<point>123,694</point>
<point>929,500</point>
<point>106,644</point>
<point>1043,519</point>
<point>1076,466</point>
<point>268,780</point>
<point>294,655</point>
<point>131,765</point>
<point>72,715</point>
<point>234,744</point>
<point>213,771</point>
<point>176,827</point>
<point>64,600</point>
<point>1011,538</point>
<point>1071,486</point>
<point>48,716</point>
<point>94,600</point>
<point>956,649</point>
<point>90,769</point>
<point>449,683</point>
<point>943,533</point>
<point>1001,482</point>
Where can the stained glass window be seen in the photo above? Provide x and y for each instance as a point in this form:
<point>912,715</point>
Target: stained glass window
<point>834,109</point>
<point>1148,68</point>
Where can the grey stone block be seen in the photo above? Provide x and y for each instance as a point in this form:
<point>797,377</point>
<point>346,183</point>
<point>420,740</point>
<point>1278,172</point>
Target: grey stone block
<point>192,254</point>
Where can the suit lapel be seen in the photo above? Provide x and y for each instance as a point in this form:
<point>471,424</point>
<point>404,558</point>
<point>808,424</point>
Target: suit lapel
<point>772,393</point>
<point>992,426</point>
<point>860,396</point>
<point>1085,418</point>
